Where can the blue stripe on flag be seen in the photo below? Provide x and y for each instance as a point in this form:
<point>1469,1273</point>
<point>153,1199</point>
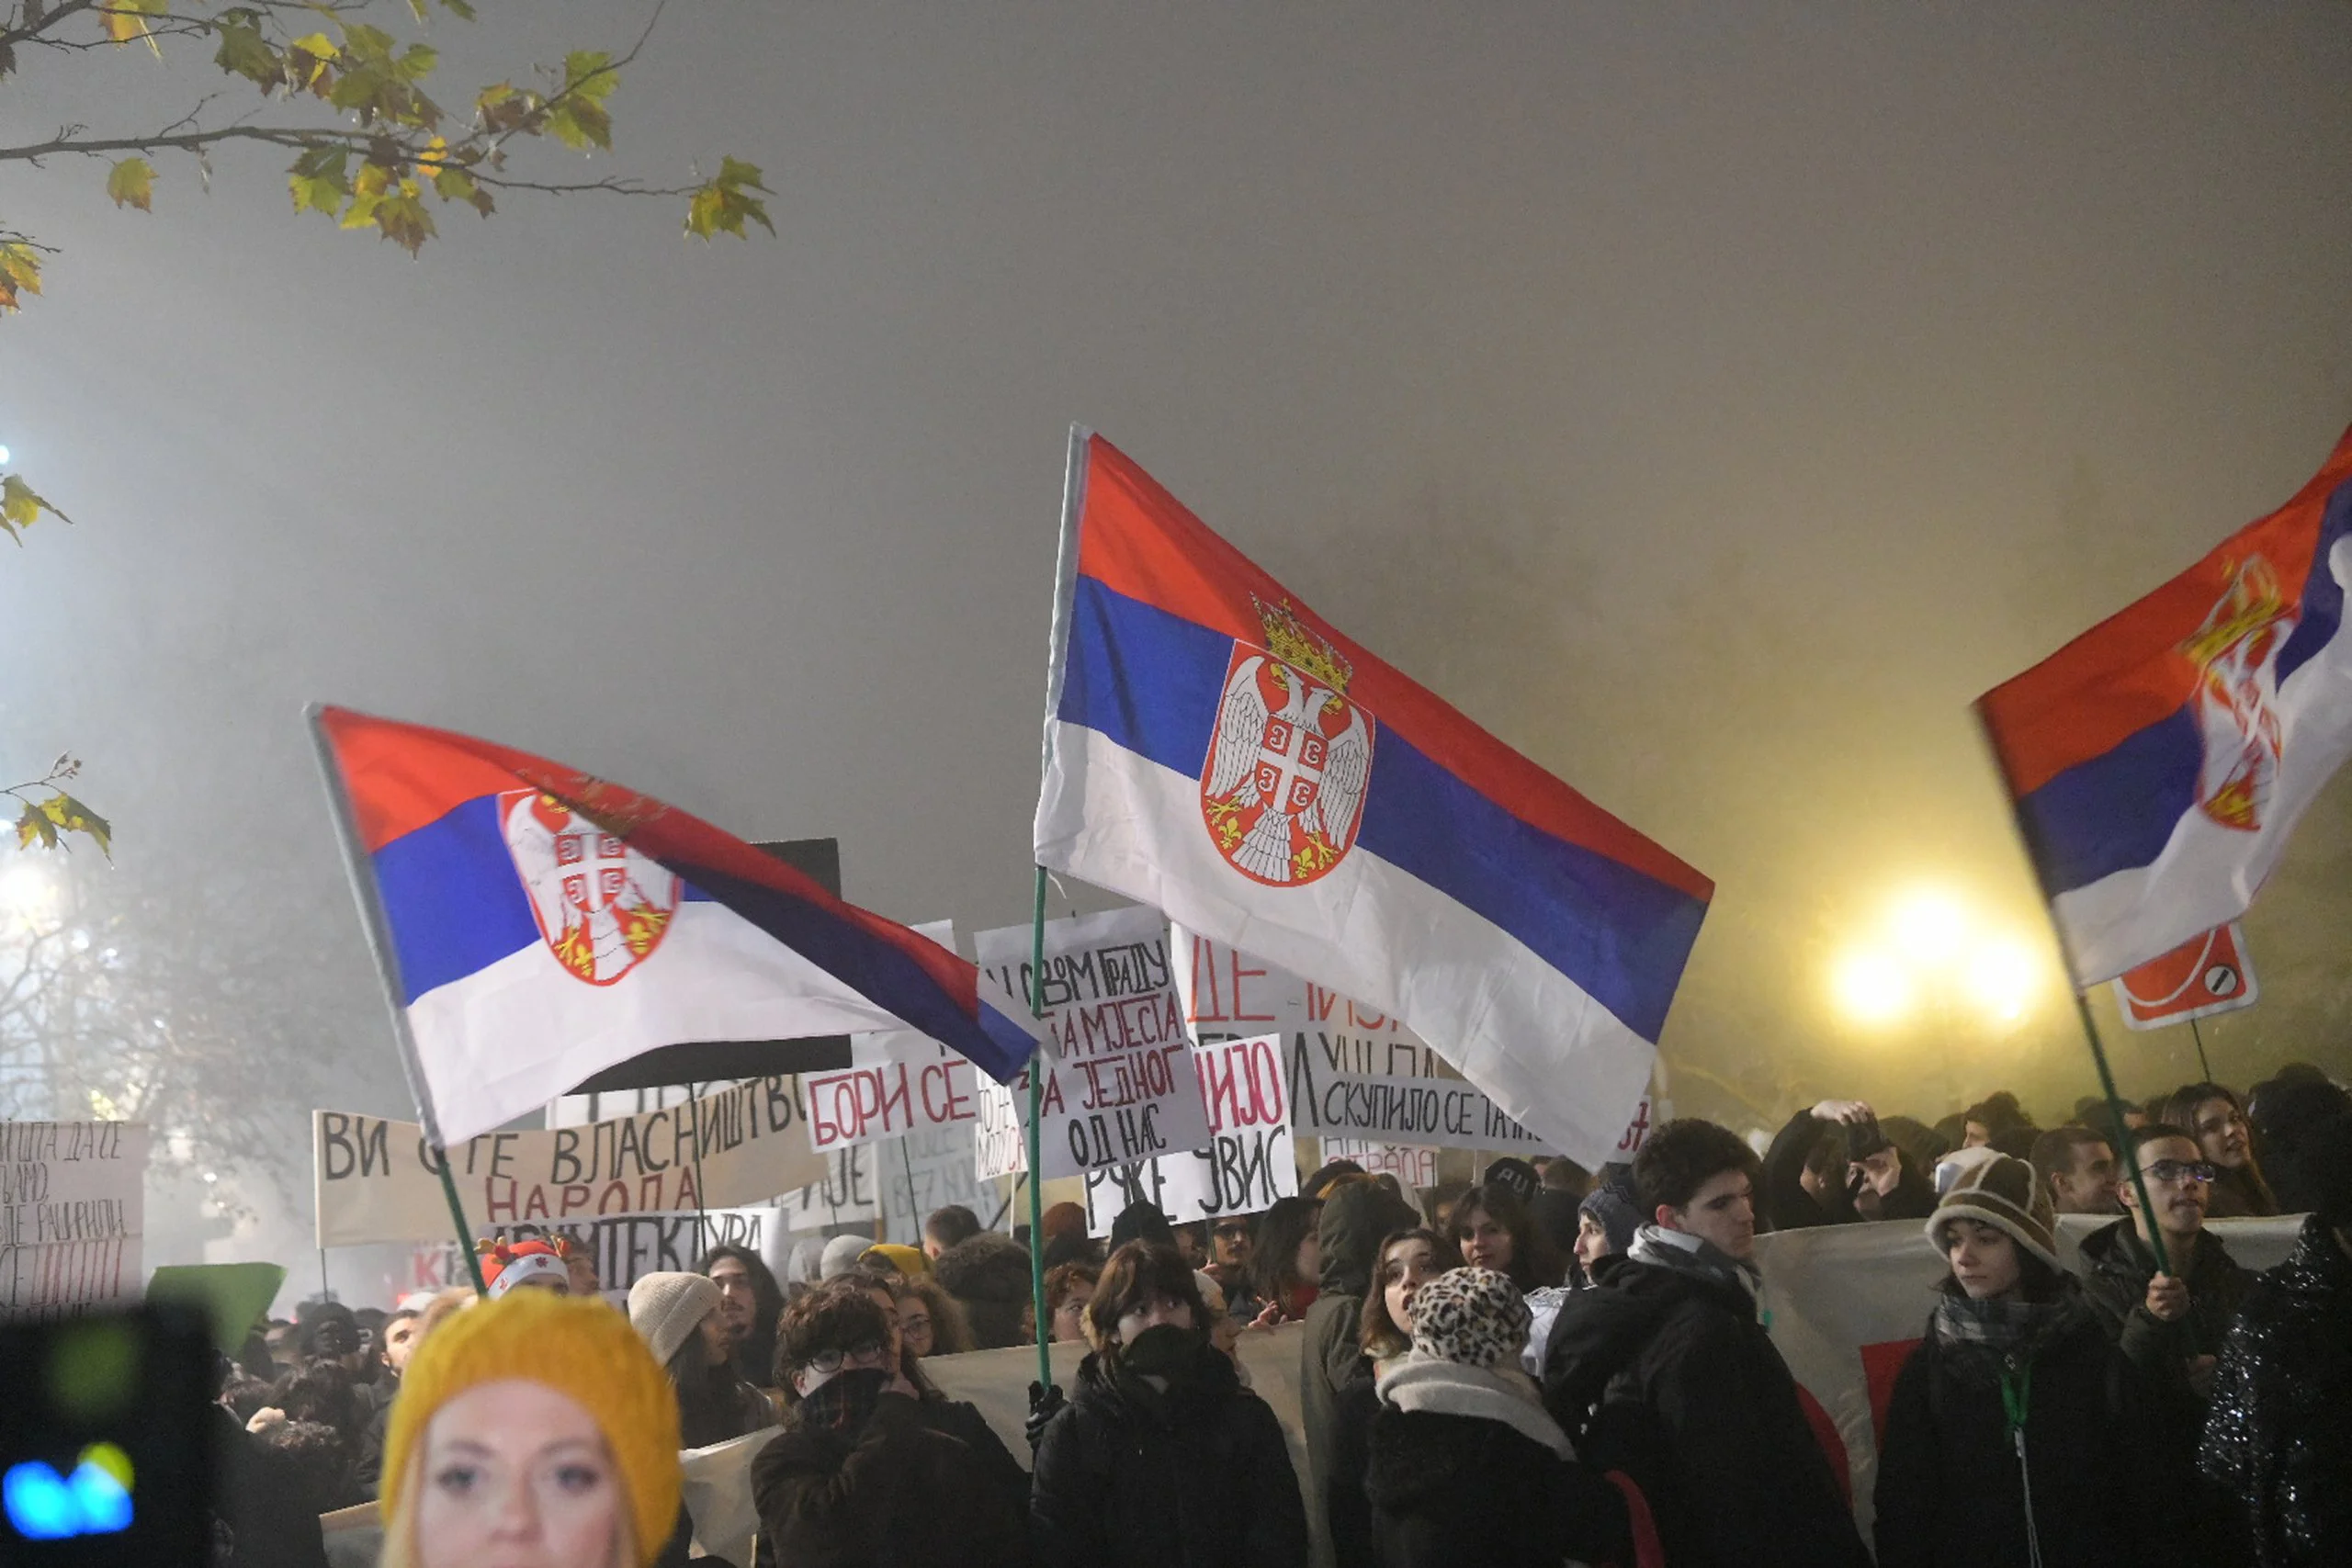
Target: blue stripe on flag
<point>1151,682</point>
<point>452,898</point>
<point>2322,607</point>
<point>2118,810</point>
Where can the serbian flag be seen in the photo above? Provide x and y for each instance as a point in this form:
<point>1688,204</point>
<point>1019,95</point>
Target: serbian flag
<point>2160,760</point>
<point>538,924</point>
<point>1215,750</point>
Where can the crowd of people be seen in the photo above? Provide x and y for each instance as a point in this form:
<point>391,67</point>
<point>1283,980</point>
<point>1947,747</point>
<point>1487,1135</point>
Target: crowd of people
<point>1551,1366</point>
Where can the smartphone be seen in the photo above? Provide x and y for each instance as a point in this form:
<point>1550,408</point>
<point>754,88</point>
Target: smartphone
<point>108,1439</point>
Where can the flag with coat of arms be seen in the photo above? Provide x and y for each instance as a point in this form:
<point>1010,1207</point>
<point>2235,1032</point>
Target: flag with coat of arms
<point>537,925</point>
<point>2159,761</point>
<point>1215,750</point>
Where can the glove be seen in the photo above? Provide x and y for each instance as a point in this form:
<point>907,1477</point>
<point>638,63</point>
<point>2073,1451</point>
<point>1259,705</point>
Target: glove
<point>1046,1402</point>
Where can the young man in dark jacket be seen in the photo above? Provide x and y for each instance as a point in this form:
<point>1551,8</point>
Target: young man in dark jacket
<point>856,1479</point>
<point>1831,1166</point>
<point>2170,1324</point>
<point>2278,1440</point>
<point>1663,1371</point>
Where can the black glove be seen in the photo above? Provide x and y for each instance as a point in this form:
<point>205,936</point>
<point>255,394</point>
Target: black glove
<point>1046,1402</point>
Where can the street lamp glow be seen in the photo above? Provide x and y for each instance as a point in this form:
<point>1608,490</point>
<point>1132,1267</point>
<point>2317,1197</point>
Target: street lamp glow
<point>1929,926</point>
<point>2001,979</point>
<point>1872,986</point>
<point>27,890</point>
<point>4,456</point>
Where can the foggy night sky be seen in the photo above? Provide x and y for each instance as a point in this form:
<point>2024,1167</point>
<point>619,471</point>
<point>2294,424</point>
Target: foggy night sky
<point>1709,399</point>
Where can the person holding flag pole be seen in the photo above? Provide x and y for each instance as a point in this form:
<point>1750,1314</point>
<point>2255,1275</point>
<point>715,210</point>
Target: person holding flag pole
<point>533,925</point>
<point>2157,764</point>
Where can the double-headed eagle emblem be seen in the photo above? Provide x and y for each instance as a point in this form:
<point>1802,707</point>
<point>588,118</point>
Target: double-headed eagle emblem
<point>602,906</point>
<point>1282,787</point>
<point>2236,653</point>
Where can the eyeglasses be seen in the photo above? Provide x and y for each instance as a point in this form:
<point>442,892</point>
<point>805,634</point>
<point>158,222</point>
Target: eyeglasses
<point>828,1362</point>
<point>2183,1171</point>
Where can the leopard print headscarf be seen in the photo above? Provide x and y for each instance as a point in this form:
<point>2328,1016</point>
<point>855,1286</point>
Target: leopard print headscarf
<point>1473,1316</point>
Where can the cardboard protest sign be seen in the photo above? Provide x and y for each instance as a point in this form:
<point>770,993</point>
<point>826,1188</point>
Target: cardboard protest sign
<point>1247,1162</point>
<point>71,1213</point>
<point>1119,1086</point>
<point>377,1181</point>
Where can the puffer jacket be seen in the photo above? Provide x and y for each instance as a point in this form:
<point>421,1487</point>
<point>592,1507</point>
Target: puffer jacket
<point>1665,1374</point>
<point>2278,1439</point>
<point>989,1276</point>
<point>1197,1476</point>
<point>1350,1230</point>
<point>1952,1491</point>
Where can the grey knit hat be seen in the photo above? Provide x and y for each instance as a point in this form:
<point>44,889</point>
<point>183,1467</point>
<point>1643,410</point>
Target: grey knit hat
<point>2000,1192</point>
<point>1475,1317</point>
<point>666,1309</point>
<point>1617,1211</point>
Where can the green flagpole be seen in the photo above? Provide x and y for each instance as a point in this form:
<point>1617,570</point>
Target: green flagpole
<point>1036,1163</point>
<point>387,969</point>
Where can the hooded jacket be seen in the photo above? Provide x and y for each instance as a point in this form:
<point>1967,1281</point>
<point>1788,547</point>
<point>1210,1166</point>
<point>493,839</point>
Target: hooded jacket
<point>1348,1233</point>
<point>1790,1207</point>
<point>1197,1476</point>
<point>1467,1468</point>
<point>2280,1436</point>
<point>1950,1491</point>
<point>989,1275</point>
<point>1663,1371</point>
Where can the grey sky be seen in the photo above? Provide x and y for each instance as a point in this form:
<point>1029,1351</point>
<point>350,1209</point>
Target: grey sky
<point>1711,398</point>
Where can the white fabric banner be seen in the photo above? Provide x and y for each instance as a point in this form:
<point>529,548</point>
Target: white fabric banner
<point>71,1213</point>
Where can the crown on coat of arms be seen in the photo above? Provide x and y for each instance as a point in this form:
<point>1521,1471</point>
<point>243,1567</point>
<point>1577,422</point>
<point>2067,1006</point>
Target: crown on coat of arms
<point>1306,650</point>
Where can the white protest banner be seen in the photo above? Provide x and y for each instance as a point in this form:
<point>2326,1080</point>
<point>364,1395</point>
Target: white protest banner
<point>1412,1166</point>
<point>377,1181</point>
<point>71,1213</point>
<point>924,1172</point>
<point>1118,1087</point>
<point>625,1248</point>
<point>1440,1112</point>
<point>1247,1162</point>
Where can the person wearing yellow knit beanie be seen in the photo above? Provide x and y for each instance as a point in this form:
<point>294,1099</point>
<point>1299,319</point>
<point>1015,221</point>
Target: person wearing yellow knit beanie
<point>532,1431</point>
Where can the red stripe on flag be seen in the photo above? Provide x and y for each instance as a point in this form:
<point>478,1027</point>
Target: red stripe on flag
<point>1139,541</point>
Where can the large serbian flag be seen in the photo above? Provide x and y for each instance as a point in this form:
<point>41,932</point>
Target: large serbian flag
<point>2159,760</point>
<point>1215,750</point>
<point>538,925</point>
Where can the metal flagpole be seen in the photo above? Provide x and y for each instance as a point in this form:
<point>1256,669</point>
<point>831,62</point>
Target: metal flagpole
<point>2203,1066</point>
<point>2083,1011</point>
<point>387,969</point>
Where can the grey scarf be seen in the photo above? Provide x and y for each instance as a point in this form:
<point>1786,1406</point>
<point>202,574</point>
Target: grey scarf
<point>1689,1254</point>
<point>1982,1338</point>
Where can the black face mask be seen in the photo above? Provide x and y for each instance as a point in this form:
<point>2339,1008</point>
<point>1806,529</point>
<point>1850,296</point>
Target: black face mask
<point>1162,1351</point>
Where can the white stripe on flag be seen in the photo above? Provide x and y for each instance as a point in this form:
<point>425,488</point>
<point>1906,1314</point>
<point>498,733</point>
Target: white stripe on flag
<point>1515,1026</point>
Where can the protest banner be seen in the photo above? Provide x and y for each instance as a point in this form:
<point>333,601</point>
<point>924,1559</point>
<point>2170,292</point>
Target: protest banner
<point>1247,1162</point>
<point>897,1081</point>
<point>71,1213</point>
<point>377,1180</point>
<point>625,1248</point>
<point>1438,1113</point>
<point>1413,1166</point>
<point>1119,1087</point>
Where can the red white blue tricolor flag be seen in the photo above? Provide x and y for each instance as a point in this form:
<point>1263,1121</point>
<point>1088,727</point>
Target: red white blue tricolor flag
<point>2160,760</point>
<point>1213,749</point>
<point>539,924</point>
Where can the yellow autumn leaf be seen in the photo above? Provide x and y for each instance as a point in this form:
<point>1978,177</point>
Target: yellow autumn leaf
<point>132,183</point>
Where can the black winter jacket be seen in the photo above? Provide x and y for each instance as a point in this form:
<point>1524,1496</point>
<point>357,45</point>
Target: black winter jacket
<point>2117,1267</point>
<point>2279,1437</point>
<point>1350,1229</point>
<point>1789,1207</point>
<point>1667,1375</point>
<point>1949,1491</point>
<point>1197,1477</point>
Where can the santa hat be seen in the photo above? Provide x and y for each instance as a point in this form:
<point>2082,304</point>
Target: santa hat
<point>506,1264</point>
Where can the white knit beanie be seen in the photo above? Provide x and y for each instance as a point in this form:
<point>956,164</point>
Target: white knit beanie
<point>666,1309</point>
